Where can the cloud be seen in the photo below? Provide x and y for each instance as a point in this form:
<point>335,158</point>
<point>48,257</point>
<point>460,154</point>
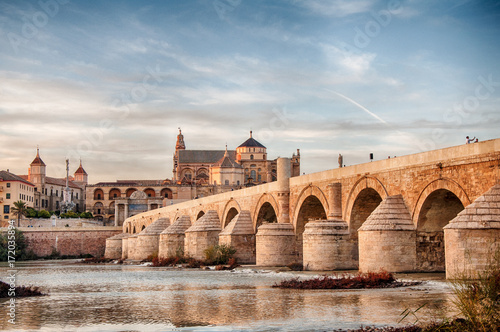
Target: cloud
<point>336,8</point>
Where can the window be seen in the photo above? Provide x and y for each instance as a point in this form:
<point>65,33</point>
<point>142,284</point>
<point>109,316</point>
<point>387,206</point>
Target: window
<point>8,184</point>
<point>77,195</point>
<point>251,157</point>
<point>98,196</point>
<point>226,182</point>
<point>57,192</point>
<point>238,182</point>
<point>7,196</point>
<point>57,204</point>
<point>6,209</point>
<point>252,175</point>
<point>259,178</point>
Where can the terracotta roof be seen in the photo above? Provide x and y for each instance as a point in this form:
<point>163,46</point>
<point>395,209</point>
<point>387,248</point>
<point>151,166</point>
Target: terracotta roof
<point>8,176</point>
<point>80,169</point>
<point>37,161</point>
<point>208,157</point>
<point>61,182</point>
<point>391,215</point>
<point>483,213</point>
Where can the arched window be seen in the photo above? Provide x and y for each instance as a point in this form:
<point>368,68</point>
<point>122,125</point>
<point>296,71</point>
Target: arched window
<point>252,175</point>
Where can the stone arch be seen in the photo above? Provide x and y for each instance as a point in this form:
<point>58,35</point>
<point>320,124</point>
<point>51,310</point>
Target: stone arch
<point>266,208</point>
<point>231,209</point>
<point>115,193</point>
<point>200,214</point>
<point>130,191</point>
<point>438,203</point>
<point>303,196</point>
<point>166,193</point>
<point>364,183</point>
<point>98,194</point>
<point>442,183</point>
<point>312,204</point>
<point>150,192</point>
<point>111,219</point>
<point>98,208</point>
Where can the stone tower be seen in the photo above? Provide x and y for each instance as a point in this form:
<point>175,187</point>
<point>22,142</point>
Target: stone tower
<point>37,171</point>
<point>80,176</point>
<point>179,145</point>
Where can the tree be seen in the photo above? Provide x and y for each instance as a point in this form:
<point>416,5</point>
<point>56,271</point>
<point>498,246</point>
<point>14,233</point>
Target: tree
<point>19,209</point>
<point>43,214</point>
<point>31,213</point>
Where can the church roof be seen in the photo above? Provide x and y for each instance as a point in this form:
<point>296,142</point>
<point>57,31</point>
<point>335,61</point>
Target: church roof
<point>208,157</point>
<point>37,161</point>
<point>61,182</point>
<point>227,162</point>
<point>251,143</point>
<point>80,169</point>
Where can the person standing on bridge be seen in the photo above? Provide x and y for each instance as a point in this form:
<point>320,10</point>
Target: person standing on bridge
<point>469,140</point>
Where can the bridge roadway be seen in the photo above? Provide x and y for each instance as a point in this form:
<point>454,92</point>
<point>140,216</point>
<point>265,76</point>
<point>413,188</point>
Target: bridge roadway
<point>435,186</point>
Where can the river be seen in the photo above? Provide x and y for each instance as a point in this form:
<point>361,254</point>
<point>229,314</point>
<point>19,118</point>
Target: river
<point>141,298</point>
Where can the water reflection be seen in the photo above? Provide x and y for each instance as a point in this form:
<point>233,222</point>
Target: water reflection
<point>119,298</point>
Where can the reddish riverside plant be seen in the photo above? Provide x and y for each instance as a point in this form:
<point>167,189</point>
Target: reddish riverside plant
<point>362,280</point>
<point>20,291</point>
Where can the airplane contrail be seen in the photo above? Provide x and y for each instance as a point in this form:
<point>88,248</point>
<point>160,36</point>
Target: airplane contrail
<point>360,106</point>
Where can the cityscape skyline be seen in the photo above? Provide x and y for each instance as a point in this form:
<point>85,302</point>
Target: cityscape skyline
<point>111,83</point>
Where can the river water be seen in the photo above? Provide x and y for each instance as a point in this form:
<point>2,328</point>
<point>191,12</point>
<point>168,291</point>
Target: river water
<point>142,298</point>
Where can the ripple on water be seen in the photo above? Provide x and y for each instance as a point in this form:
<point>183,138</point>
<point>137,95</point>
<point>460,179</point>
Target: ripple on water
<point>138,298</point>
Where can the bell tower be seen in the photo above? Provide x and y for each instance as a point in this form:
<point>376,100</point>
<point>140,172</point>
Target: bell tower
<point>37,171</point>
<point>179,145</point>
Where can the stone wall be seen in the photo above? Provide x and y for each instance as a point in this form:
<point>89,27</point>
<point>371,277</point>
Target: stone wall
<point>430,251</point>
<point>72,242</point>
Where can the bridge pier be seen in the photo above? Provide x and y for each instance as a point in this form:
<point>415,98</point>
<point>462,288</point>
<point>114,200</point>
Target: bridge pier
<point>202,235</point>
<point>326,244</point>
<point>148,239</point>
<point>472,238</point>
<point>387,239</point>
<point>275,242</point>
<point>172,238</point>
<point>114,246</point>
<point>239,234</point>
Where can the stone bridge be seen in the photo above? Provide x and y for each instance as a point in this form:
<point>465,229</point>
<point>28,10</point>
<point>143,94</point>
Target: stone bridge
<point>433,187</point>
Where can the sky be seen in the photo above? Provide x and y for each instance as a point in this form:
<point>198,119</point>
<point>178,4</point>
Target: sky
<point>110,82</point>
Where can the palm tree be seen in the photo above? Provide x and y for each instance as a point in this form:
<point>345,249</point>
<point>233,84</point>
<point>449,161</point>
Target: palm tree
<point>19,209</point>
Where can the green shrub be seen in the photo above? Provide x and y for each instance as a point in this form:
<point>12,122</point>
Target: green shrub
<point>43,214</point>
<point>219,254</point>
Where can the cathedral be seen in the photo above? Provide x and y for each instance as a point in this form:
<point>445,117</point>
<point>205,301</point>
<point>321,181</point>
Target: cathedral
<point>246,166</point>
